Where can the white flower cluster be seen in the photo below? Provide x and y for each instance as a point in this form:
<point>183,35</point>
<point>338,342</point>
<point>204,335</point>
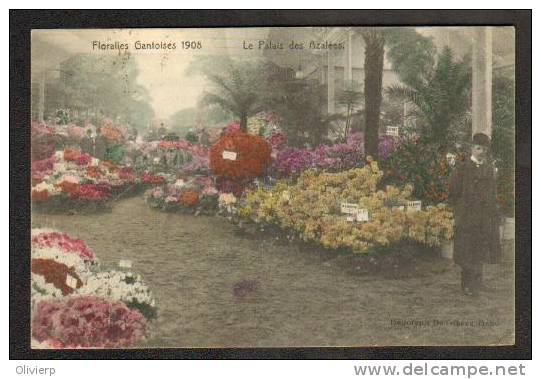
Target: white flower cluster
<point>51,189</point>
<point>118,286</point>
<point>81,267</point>
<point>41,290</point>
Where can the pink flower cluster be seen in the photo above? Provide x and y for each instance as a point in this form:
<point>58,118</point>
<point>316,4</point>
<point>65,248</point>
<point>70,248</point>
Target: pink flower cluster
<point>87,322</point>
<point>198,165</point>
<point>277,139</point>
<point>194,149</point>
<point>233,127</point>
<point>92,192</point>
<point>127,174</point>
<point>40,168</point>
<point>65,243</point>
<point>83,160</point>
<point>75,132</point>
<point>149,178</point>
<point>40,128</point>
<point>337,157</point>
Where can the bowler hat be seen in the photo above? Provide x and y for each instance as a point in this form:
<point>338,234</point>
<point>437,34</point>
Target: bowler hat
<point>481,139</point>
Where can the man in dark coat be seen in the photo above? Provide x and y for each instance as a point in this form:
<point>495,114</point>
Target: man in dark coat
<point>472,193</point>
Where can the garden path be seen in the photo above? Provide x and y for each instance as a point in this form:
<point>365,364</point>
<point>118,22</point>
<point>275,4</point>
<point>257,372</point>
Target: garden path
<point>193,263</point>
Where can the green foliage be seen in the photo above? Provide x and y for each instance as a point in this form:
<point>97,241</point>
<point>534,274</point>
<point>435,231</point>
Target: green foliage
<point>503,121</point>
<point>236,86</point>
<point>503,140</point>
<point>441,96</point>
<point>191,137</point>
<point>115,154</point>
<point>103,85</point>
<point>301,105</point>
<point>410,53</point>
<point>171,137</point>
<point>350,98</point>
<point>422,164</point>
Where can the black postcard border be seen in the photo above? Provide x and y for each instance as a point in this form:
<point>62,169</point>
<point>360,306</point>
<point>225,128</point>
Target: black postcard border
<point>23,21</point>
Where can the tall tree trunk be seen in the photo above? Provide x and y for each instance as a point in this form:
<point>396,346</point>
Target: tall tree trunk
<point>244,122</point>
<point>373,78</point>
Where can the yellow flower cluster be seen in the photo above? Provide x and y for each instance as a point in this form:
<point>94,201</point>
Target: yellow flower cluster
<point>311,208</point>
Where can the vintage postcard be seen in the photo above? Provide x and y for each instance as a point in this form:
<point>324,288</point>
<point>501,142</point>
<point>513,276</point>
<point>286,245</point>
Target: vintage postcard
<point>272,187</point>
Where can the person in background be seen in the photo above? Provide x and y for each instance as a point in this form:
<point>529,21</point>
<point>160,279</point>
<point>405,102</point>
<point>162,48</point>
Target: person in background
<point>204,137</point>
<point>472,194</point>
<point>87,143</point>
<point>100,145</point>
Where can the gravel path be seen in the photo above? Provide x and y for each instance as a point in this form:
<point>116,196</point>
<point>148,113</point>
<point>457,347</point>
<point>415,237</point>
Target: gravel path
<point>193,263</point>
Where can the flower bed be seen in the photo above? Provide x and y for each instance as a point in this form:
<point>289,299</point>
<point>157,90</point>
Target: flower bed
<point>337,157</point>
<point>71,180</point>
<point>313,210</point>
<point>76,304</point>
<point>195,195</point>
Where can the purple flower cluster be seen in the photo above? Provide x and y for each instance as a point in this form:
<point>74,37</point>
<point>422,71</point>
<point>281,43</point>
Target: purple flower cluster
<point>337,157</point>
<point>198,165</point>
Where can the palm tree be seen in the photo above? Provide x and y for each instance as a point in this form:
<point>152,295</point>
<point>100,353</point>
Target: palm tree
<point>236,91</point>
<point>349,99</point>
<point>373,79</point>
<point>441,96</point>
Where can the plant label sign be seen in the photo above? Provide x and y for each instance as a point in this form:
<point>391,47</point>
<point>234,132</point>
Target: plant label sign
<point>71,281</point>
<point>392,131</point>
<point>124,263</point>
<point>362,215</point>
<point>229,155</point>
<point>414,205</point>
<point>349,208</point>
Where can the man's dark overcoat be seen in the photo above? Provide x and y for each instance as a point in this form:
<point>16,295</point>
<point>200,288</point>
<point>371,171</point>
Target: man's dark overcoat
<point>472,193</point>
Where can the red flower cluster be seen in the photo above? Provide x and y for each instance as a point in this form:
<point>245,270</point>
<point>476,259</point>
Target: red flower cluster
<point>253,155</point>
<point>93,172</point>
<point>92,192</point>
<point>71,155</point>
<point>149,178</point>
<point>65,243</point>
<point>68,187</point>
<point>84,322</point>
<point>83,160</point>
<point>189,198</point>
<point>56,273</point>
<point>126,173</point>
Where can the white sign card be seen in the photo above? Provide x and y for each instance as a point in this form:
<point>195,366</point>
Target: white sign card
<point>124,263</point>
<point>229,155</point>
<point>71,281</point>
<point>414,205</point>
<point>392,131</point>
<point>362,215</point>
<point>349,208</point>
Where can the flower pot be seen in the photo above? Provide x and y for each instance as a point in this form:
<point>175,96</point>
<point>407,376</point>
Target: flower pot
<point>446,249</point>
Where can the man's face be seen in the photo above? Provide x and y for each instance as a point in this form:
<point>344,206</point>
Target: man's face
<point>479,152</point>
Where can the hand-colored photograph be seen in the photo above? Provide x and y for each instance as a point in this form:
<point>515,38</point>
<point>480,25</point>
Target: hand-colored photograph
<point>272,187</point>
